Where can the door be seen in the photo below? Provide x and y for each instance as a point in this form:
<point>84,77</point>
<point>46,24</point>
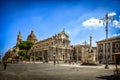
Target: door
<point>45,56</point>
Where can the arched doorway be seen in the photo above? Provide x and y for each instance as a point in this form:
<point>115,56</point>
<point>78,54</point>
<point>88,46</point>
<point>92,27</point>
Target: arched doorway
<point>45,56</point>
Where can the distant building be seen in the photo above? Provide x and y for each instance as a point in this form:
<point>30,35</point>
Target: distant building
<point>11,55</point>
<point>85,52</point>
<point>111,46</point>
<point>57,46</point>
<point>13,52</point>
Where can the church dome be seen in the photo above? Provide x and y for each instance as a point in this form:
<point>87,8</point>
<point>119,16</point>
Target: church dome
<point>32,37</point>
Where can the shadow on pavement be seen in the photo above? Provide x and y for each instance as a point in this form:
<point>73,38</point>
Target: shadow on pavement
<point>110,77</point>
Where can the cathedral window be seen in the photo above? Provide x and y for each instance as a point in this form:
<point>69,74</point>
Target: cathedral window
<point>100,47</point>
<point>117,45</point>
<point>107,46</point>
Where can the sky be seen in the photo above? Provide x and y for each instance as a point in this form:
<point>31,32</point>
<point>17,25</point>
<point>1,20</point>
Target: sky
<point>79,18</point>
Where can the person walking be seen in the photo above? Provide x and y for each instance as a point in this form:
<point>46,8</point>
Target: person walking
<point>5,64</point>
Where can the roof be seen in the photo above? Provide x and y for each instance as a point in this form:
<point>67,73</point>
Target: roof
<point>110,39</point>
<point>32,36</point>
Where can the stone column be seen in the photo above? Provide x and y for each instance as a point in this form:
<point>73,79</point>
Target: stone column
<point>104,52</point>
<point>77,55</point>
<point>43,57</point>
<point>97,53</point>
<point>111,52</point>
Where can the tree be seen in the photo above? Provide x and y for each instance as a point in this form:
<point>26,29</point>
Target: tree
<point>29,45</point>
<point>24,46</point>
<point>22,53</point>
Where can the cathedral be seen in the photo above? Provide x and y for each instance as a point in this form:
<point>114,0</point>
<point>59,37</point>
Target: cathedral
<point>55,48</point>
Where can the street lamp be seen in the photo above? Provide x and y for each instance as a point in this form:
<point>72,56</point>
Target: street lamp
<point>85,54</point>
<point>106,19</point>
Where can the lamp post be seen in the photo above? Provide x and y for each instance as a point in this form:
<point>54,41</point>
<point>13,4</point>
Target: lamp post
<point>106,19</point>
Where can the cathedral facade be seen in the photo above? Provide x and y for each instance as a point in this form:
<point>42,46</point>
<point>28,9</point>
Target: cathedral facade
<point>56,48</point>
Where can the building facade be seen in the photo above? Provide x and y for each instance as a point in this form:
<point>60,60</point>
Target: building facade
<point>85,52</point>
<point>106,48</point>
<point>12,54</point>
<point>57,47</point>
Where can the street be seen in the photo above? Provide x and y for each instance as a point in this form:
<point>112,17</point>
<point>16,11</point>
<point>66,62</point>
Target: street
<point>49,71</point>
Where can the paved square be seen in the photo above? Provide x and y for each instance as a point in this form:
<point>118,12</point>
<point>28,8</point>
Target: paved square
<point>50,71</point>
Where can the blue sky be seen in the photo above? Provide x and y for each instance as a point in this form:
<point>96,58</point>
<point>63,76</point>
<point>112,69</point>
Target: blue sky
<point>49,17</point>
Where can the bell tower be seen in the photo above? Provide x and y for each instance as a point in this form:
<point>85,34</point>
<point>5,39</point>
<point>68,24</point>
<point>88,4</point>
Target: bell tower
<point>19,38</point>
<point>90,41</point>
<point>90,48</point>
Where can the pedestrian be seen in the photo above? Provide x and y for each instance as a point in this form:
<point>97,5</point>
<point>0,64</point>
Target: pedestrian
<point>5,64</point>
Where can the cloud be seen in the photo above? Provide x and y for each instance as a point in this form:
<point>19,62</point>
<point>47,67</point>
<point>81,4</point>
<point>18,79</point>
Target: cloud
<point>92,23</point>
<point>116,24</point>
<point>116,34</point>
<point>111,14</point>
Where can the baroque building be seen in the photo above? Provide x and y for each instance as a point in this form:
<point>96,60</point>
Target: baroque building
<point>12,54</point>
<point>106,48</point>
<point>57,46</point>
<point>85,52</point>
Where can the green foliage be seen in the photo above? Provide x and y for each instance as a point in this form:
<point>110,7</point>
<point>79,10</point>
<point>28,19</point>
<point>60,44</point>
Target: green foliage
<point>29,45</point>
<point>22,58</point>
<point>25,45</point>
<point>22,53</point>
